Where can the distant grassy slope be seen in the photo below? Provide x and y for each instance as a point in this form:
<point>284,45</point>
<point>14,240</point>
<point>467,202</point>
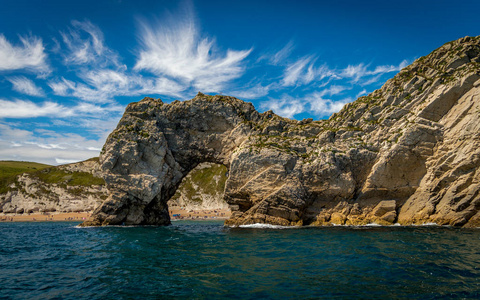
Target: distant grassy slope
<point>210,181</point>
<point>10,169</point>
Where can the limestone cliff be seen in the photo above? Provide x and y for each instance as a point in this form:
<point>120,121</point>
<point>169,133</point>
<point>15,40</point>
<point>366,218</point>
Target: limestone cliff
<point>78,187</point>
<point>407,153</point>
<point>74,187</point>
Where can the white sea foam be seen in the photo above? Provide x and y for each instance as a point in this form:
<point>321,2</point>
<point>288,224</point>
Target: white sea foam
<point>430,224</point>
<point>425,224</point>
<point>263,226</point>
<point>371,225</point>
<point>378,225</point>
<point>119,226</point>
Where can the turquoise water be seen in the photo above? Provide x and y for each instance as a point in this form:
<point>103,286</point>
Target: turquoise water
<point>204,260</point>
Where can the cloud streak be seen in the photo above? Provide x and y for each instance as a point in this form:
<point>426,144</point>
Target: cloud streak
<point>325,107</point>
<point>28,109</point>
<point>30,55</point>
<point>304,72</point>
<point>25,86</point>
<point>177,50</point>
<point>278,57</point>
<point>51,148</point>
<point>360,71</point>
<point>103,85</point>
<point>286,106</point>
<point>86,45</point>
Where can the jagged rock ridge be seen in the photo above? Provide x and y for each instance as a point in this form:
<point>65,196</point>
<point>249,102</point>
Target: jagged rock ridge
<point>407,153</point>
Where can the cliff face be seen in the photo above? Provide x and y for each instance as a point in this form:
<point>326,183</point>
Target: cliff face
<point>408,153</point>
<point>78,187</point>
<point>69,188</point>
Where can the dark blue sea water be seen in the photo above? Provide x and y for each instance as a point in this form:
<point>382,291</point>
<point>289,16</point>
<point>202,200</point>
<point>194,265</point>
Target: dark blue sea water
<point>204,260</point>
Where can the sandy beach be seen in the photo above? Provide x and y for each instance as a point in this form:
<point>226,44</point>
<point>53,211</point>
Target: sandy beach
<point>175,214</point>
<point>78,216</point>
<point>182,214</point>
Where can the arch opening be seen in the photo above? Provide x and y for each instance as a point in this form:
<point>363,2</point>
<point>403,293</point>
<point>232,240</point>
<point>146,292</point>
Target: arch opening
<point>200,195</point>
<point>155,146</point>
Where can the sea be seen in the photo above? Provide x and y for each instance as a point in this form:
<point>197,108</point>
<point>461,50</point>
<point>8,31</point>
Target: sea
<point>205,260</point>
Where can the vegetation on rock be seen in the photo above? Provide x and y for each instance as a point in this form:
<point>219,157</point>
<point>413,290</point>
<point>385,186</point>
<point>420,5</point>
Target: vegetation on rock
<point>9,170</point>
<point>407,153</point>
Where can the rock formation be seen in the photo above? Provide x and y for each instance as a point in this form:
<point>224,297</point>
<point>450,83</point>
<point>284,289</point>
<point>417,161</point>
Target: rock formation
<point>74,187</point>
<point>58,189</point>
<point>407,153</point>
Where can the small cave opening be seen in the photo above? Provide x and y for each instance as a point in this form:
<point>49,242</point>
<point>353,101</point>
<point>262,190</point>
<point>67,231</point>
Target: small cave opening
<point>200,194</point>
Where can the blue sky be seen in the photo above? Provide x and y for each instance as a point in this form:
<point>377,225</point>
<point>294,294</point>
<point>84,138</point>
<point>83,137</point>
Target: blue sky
<point>69,68</point>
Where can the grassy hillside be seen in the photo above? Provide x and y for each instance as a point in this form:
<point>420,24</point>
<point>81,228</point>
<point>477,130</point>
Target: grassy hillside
<point>10,169</point>
<point>209,181</point>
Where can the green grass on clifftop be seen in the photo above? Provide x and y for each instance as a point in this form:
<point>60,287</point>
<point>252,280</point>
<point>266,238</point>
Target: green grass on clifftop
<point>9,170</point>
<point>60,177</point>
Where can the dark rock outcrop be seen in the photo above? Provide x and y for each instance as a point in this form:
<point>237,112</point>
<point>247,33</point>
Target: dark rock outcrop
<point>407,153</point>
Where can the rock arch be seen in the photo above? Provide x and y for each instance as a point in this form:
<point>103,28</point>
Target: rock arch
<point>155,145</point>
<point>406,153</point>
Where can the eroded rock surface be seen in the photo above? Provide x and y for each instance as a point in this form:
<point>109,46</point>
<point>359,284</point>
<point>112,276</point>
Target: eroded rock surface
<point>76,187</point>
<point>407,153</point>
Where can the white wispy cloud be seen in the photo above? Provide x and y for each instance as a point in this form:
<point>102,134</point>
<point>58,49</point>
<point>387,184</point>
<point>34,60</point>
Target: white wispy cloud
<point>296,72</point>
<point>118,83</point>
<point>354,71</point>
<point>314,103</point>
<point>360,71</point>
<point>325,107</point>
<point>390,68</point>
<point>361,93</point>
<point>26,86</point>
<point>65,87</point>
<point>287,106</point>
<point>254,92</point>
<point>177,50</point>
<point>28,109</point>
<point>332,90</point>
<point>370,80</point>
<point>51,148</point>
<point>304,72</point>
<point>102,85</point>
<point>60,87</point>
<point>86,45</point>
<point>29,55</point>
<point>278,57</point>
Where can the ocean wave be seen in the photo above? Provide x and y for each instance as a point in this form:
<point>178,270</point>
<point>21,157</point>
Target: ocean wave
<point>264,226</point>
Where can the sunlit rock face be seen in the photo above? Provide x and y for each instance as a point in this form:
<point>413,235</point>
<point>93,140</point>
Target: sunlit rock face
<point>76,187</point>
<point>407,153</point>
